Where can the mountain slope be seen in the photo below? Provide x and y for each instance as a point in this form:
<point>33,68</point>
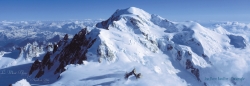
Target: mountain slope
<point>164,52</point>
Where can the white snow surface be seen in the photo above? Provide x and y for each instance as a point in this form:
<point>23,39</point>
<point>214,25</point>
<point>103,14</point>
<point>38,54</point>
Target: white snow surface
<point>22,82</point>
<point>161,51</point>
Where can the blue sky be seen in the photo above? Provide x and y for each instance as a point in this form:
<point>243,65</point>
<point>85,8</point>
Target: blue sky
<point>174,10</point>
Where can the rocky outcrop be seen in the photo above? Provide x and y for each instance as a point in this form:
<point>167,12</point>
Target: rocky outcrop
<point>41,66</point>
<point>133,72</point>
<point>74,52</point>
<point>30,51</point>
<point>104,52</point>
<point>36,65</point>
<point>195,71</point>
<point>63,53</point>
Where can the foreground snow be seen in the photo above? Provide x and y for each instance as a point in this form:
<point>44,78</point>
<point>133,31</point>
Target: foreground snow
<point>22,82</point>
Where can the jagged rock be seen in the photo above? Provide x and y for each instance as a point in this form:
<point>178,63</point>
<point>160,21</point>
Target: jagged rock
<point>66,37</point>
<point>179,55</point>
<point>133,72</point>
<point>55,48</point>
<point>105,52</point>
<point>195,71</point>
<point>135,22</point>
<point>74,52</point>
<point>138,75</point>
<point>41,65</point>
<point>46,59</point>
<point>39,74</point>
<point>34,66</point>
<point>60,68</point>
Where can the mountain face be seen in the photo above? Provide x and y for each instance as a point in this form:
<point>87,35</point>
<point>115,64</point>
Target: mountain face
<point>162,51</point>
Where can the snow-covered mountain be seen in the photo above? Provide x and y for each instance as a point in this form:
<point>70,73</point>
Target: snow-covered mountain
<point>165,53</point>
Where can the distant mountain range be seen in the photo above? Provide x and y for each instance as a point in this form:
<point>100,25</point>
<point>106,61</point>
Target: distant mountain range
<point>93,53</point>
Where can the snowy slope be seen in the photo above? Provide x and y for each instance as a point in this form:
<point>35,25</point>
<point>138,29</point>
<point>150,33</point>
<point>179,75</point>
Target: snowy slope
<point>166,53</point>
<point>22,82</point>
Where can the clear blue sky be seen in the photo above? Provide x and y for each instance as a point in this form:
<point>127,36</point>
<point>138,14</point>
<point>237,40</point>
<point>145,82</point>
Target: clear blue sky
<point>174,10</point>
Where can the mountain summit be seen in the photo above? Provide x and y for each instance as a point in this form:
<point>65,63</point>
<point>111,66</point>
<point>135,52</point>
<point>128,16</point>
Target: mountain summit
<point>132,11</point>
<point>123,13</point>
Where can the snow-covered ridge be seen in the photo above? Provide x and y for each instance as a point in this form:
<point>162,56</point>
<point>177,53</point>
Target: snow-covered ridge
<point>132,36</point>
<point>134,11</point>
<point>164,52</point>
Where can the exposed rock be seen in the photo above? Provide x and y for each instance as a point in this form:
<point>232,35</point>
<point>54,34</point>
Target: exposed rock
<point>195,71</point>
<point>55,48</point>
<point>179,55</point>
<point>35,66</point>
<point>39,74</point>
<point>74,52</point>
<point>133,72</point>
<point>105,52</point>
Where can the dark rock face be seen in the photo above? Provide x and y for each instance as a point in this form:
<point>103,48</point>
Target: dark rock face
<point>41,66</point>
<point>237,41</point>
<point>46,59</point>
<point>195,71</point>
<point>63,41</point>
<point>66,37</point>
<point>135,22</point>
<point>55,47</point>
<point>133,72</point>
<point>34,66</point>
<point>60,69</point>
<point>71,53</point>
<point>39,74</point>
<point>74,52</point>
<point>179,55</point>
